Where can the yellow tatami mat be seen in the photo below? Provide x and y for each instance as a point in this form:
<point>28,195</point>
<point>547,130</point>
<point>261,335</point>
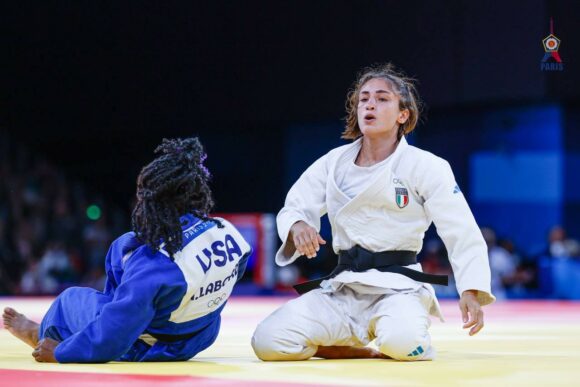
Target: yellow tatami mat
<point>529,343</point>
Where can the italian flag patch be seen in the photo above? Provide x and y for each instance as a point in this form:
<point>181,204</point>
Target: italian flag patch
<point>402,197</point>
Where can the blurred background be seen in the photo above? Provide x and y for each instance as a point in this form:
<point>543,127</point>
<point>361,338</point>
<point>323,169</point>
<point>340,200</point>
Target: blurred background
<point>90,88</point>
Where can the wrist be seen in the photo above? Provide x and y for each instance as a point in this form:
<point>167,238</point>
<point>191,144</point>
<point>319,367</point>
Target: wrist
<point>470,292</point>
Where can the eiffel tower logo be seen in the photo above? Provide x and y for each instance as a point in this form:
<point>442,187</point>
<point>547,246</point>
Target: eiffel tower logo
<point>551,60</point>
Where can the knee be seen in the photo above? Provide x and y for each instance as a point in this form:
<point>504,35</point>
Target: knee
<point>74,292</point>
<point>271,342</point>
<point>67,294</point>
<point>263,344</point>
<point>405,343</point>
<point>68,291</point>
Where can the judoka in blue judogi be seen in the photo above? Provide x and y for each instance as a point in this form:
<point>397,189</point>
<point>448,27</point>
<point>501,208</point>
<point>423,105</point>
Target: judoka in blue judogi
<point>167,281</point>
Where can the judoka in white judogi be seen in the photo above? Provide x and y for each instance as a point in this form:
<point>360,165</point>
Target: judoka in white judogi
<point>388,208</point>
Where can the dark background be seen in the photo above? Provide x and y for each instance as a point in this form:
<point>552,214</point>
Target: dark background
<point>94,86</point>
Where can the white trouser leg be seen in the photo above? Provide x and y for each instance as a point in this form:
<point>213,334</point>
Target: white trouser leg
<point>400,323</point>
<point>296,329</point>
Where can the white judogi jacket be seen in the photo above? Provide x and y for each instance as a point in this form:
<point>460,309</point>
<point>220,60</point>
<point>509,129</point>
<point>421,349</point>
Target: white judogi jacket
<point>381,218</point>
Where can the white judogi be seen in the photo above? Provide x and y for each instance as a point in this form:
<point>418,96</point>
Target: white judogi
<point>412,189</point>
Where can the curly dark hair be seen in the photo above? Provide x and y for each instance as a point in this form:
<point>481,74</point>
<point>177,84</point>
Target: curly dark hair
<point>402,85</point>
<point>172,185</point>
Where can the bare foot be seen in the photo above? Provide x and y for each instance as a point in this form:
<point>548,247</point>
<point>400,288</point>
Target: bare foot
<point>337,352</point>
<point>21,327</point>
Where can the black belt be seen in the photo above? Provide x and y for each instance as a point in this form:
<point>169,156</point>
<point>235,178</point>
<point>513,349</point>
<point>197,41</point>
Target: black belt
<point>168,338</point>
<point>172,338</point>
<point>358,259</point>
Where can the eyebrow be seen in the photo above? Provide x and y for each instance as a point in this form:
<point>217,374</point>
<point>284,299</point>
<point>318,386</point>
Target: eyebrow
<point>378,91</point>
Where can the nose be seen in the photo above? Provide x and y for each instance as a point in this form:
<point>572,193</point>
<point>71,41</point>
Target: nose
<point>370,104</point>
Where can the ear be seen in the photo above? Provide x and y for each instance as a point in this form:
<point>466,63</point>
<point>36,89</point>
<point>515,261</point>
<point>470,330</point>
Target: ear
<point>403,116</point>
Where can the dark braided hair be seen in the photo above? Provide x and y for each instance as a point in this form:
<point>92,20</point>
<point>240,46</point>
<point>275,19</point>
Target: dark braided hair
<point>172,185</point>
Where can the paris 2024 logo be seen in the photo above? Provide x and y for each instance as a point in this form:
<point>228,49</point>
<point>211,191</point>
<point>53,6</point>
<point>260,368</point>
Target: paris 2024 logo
<point>551,60</point>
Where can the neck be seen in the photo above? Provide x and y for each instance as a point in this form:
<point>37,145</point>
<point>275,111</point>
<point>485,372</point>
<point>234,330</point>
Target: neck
<point>375,150</point>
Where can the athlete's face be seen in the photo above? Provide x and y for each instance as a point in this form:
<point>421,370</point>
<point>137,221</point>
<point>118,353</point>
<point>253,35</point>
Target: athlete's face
<point>378,109</point>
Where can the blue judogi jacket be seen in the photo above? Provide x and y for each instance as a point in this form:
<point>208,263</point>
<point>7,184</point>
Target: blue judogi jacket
<point>154,307</point>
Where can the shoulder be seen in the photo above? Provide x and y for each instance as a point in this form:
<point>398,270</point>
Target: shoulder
<point>142,260</point>
<point>151,275</point>
<point>227,225</point>
<point>127,241</point>
<point>424,157</point>
<point>425,161</point>
<point>424,170</point>
<point>149,259</point>
<point>122,248</point>
<point>230,229</point>
<point>330,157</point>
<point>335,152</point>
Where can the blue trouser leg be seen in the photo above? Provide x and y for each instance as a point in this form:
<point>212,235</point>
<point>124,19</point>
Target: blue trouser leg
<point>76,307</point>
<point>71,312</point>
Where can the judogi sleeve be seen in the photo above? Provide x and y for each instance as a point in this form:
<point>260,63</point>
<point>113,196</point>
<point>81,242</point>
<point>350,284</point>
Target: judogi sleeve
<point>121,321</point>
<point>305,201</point>
<point>446,206</point>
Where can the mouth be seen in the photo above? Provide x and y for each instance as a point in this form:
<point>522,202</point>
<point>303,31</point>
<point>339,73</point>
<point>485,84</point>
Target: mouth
<point>369,117</point>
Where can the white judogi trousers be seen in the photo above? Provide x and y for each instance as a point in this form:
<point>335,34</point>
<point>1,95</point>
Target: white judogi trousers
<point>399,322</point>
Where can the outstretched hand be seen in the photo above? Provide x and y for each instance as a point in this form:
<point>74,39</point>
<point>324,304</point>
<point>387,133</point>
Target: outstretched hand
<point>471,311</point>
<point>44,351</point>
<point>306,239</point>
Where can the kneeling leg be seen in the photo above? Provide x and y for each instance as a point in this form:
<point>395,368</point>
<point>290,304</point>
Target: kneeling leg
<point>297,329</point>
<point>401,328</point>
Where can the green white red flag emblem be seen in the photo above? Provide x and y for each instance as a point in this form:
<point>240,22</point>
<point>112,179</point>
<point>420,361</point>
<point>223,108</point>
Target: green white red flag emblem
<point>402,197</point>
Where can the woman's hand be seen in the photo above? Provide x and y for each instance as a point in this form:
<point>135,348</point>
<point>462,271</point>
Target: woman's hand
<point>44,351</point>
<point>471,311</point>
<point>305,238</point>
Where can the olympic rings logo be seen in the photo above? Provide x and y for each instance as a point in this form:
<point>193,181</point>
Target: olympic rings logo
<point>216,301</point>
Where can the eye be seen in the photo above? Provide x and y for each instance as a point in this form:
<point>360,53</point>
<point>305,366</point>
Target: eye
<point>383,99</point>
<point>363,99</point>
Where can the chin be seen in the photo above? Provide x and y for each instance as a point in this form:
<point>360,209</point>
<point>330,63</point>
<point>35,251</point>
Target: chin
<point>372,131</point>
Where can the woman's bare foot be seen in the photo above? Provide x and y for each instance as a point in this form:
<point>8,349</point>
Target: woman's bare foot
<point>336,352</point>
<point>21,327</point>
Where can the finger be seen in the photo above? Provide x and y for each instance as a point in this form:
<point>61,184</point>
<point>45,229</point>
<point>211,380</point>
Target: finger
<point>312,244</point>
<point>296,242</point>
<point>476,329</point>
<point>307,245</point>
<point>473,317</point>
<point>463,309</point>
<point>478,326</point>
<point>320,240</point>
<point>472,321</point>
<point>299,245</point>
<point>314,240</point>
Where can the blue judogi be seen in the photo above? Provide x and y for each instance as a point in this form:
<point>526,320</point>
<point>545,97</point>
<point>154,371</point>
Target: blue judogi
<point>153,308</point>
